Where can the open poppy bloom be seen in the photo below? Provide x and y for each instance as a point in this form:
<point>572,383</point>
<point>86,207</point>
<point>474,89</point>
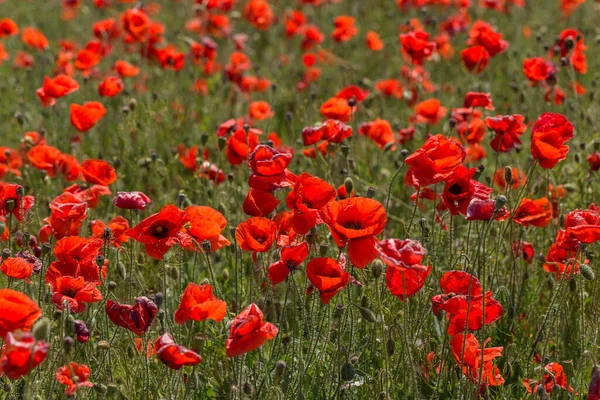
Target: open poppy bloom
<point>74,376</point>
<point>482,34</point>
<point>328,276</point>
<point>84,117</point>
<point>173,355</point>
<point>464,298</point>
<point>116,228</point>
<point>131,200</point>
<point>259,203</point>
<point>344,29</point>
<point>356,222</point>
<point>536,213</point>
<point>402,254</point>
<point>563,257</point>
<point>98,172</point>
<point>21,353</point>
<point>110,86</point>
<point>434,161</point>
<point>256,234</point>
<point>310,194</point>
<point>75,292</point>
<point>548,138</point>
<point>59,86</point>
<point>76,256</point>
<point>337,108</point>
<point>159,232</point>
<point>416,45</point>
<point>476,99</point>
<point>469,358</point>
<point>68,213</point>
<point>198,303</point>
<point>248,332</point>
<point>583,225</point>
<point>12,201</point>
<point>554,377</point>
<point>34,38</point>
<point>380,132</point>
<point>45,158</point>
<point>136,23</point>
<point>17,268</point>
<point>205,224</point>
<point>461,189</point>
<point>485,210</point>
<point>291,258</point>
<point>508,129</point>
<point>429,112</point>
<point>373,41</point>
<point>475,59</point>
<point>137,318</point>
<point>17,312</point>
<point>125,69</point>
<point>405,283</point>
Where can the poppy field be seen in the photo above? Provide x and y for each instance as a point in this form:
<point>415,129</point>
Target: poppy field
<point>299,199</point>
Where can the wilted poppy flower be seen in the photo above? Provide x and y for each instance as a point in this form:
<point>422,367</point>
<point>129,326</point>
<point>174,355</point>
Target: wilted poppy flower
<point>59,86</point>
<point>461,189</point>
<point>468,355</point>
<point>17,268</point>
<point>434,161</point>
<point>137,318</point>
<point>159,231</point>
<point>402,254</point>
<point>356,222</point>
<point>74,376</point>
<point>475,99</point>
<point>98,172</point>
<point>309,195</point>
<point>21,353</point>
<point>405,283</point>
<point>131,200</point>
<point>537,212</point>
<point>198,303</point>
<point>548,138</point>
<point>256,235</point>
<point>75,292</point>
<point>475,59</point>
<point>84,117</point>
<point>173,355</point>
<point>464,299</point>
<point>110,86</point>
<point>17,312</point>
<point>206,224</point>
<point>291,258</point>
<point>248,332</point>
<point>429,112</point>
<point>417,46</point>
<point>508,129</point>
<point>328,276</point>
<point>82,333</point>
<point>554,377</point>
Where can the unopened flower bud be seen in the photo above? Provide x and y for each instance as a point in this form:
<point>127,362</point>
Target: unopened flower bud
<point>587,272</point>
<point>68,343</point>
<point>41,329</point>
<point>159,299</point>
<point>508,176</point>
<point>367,314</point>
<point>206,246</point>
<point>221,142</point>
<point>349,186</point>
<point>500,202</point>
<point>377,268</point>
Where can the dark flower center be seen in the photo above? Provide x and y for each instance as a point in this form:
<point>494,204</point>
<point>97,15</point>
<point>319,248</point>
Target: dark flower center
<point>352,225</point>
<point>160,232</point>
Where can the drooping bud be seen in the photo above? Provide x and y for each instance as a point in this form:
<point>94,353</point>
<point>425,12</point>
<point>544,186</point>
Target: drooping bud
<point>349,186</point>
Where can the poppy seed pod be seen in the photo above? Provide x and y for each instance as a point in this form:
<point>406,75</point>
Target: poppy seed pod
<point>247,388</point>
<point>390,347</point>
<point>404,153</point>
<point>323,250</point>
<point>370,192</point>
<point>5,254</point>
<point>206,246</point>
<point>500,202</point>
<point>345,149</point>
<point>204,138</point>
<point>99,260</point>
<point>388,146</point>
<point>339,311</point>
<point>452,123</point>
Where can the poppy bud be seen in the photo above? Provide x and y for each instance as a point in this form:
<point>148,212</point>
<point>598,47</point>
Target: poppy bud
<point>370,192</point>
<point>81,331</point>
<point>159,298</point>
<point>99,260</point>
<point>323,250</point>
<point>500,202</point>
<point>221,142</point>
<point>37,251</point>
<point>56,314</point>
<point>388,146</point>
<point>508,176</point>
<point>230,177</point>
<point>300,396</point>
<point>41,329</point>
<point>5,254</point>
<point>452,123</point>
<point>206,246</point>
<point>10,205</point>
<point>572,285</point>
<point>204,138</point>
<point>132,104</point>
<point>390,347</point>
<point>106,234</point>
<point>339,311</point>
<point>310,238</point>
<point>377,268</point>
<point>349,186</point>
<point>20,191</point>
<point>352,102</point>
<point>68,343</point>
<point>104,345</point>
<point>21,119</point>
<point>345,149</point>
<point>225,274</point>
<point>587,272</point>
<point>347,372</point>
<point>280,368</point>
<point>125,110</point>
<point>112,285</point>
<point>247,388</point>
<point>100,388</point>
<point>367,314</point>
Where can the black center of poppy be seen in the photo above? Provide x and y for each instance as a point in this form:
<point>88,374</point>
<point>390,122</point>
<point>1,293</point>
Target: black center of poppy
<point>455,189</point>
<point>353,225</point>
<point>160,232</point>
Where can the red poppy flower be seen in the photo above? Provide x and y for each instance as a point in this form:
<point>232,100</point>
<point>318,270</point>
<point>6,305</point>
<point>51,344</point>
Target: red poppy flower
<point>373,41</point>
<point>484,210</point>
<point>583,225</point>
<point>13,202</point>
<point>198,303</point>
<point>475,59</point>
<point>291,258</point>
<point>285,232</point>
<point>137,318</point>
<point>240,144</point>
<point>131,200</point>
<point>8,27</point>
<point>429,112</point>
<point>256,234</point>
<point>402,254</point>
<point>379,131</point>
<point>461,189</point>
<point>86,59</point>
<point>554,377</point>
<point>173,355</point>
<point>475,99</point>
<point>68,212</point>
<point>45,158</point>
<point>170,58</point>
<point>17,312</point>
<point>136,23</point>
<point>59,86</point>
<point>17,268</point>
<point>309,195</point>
<point>417,46</point>
<point>356,222</point>
<point>159,231</point>
<point>468,355</point>
<point>76,256</point>
<point>507,128</point>
<point>34,38</point>
<point>337,108</point>
<point>10,161</point>
<point>434,161</point>
<point>75,292</point>
<point>482,34</point>
<point>260,110</point>
<point>405,283</point>
<point>98,172</point>
<point>537,212</point>
<point>464,299</point>
<point>269,169</point>
<point>206,224</point>
<point>259,204</point>
<point>125,69</point>
<point>248,332</point>
<point>331,130</point>
<point>538,69</point>
<point>563,257</point>
<point>116,228</point>
<point>328,276</point>
<point>548,138</point>
<point>594,161</point>
<point>344,28</point>
<point>21,353</point>
<point>110,86</point>
<point>84,117</point>
<point>525,250</point>
<point>259,14</point>
<point>518,178</point>
<point>74,376</point>
<point>390,88</point>
<point>106,29</point>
